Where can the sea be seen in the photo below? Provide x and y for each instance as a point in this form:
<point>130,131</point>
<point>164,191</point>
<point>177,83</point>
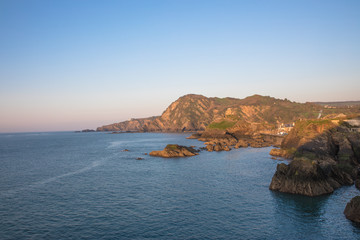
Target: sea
<point>66,185</point>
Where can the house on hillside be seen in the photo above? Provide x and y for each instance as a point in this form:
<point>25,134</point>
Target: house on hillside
<point>284,129</point>
<point>355,124</point>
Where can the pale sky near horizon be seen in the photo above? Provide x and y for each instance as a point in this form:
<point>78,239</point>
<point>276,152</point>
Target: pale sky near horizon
<point>71,65</point>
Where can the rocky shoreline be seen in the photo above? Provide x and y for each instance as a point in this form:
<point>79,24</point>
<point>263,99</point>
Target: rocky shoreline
<point>325,155</point>
<point>222,140</point>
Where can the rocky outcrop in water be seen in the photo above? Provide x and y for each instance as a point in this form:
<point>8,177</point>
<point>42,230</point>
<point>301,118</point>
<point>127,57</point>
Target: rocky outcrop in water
<point>325,154</point>
<point>306,177</point>
<point>174,150</point>
<point>352,209</point>
<point>223,140</point>
<point>87,130</point>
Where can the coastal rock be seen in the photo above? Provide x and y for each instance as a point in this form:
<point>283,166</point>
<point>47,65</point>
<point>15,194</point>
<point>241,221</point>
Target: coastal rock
<point>280,153</point>
<point>194,136</point>
<point>357,183</point>
<point>324,158</point>
<point>259,143</point>
<point>217,146</point>
<point>352,209</point>
<point>302,177</point>
<point>88,130</point>
<point>217,134</point>
<point>174,150</point>
<point>241,144</point>
<point>223,141</point>
<point>210,147</point>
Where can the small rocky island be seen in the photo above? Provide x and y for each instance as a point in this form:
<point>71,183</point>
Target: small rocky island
<point>174,150</point>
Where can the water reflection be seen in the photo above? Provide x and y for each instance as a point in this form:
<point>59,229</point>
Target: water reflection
<point>293,211</point>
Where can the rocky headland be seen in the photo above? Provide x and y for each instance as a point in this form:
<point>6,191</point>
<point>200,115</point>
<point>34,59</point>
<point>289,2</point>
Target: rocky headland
<point>191,113</point>
<point>325,156</point>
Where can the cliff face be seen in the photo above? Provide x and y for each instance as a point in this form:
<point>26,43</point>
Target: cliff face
<point>325,153</point>
<point>245,116</point>
<point>131,125</point>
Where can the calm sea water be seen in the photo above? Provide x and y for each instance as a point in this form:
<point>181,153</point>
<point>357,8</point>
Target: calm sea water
<point>82,186</point>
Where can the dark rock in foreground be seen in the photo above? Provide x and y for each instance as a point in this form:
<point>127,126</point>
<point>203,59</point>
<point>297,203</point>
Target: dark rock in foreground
<point>357,184</point>
<point>352,209</point>
<point>325,157</point>
<point>174,150</point>
<point>306,177</point>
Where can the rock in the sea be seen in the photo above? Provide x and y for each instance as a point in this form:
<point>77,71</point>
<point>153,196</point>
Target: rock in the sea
<point>306,177</point>
<point>217,146</point>
<point>277,152</point>
<point>139,158</point>
<point>174,150</point>
<point>210,147</point>
<point>352,209</point>
<point>125,150</point>
<point>241,144</point>
<point>194,136</point>
<point>88,130</point>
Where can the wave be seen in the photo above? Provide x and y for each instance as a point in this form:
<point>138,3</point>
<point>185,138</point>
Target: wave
<point>11,192</point>
<point>115,144</point>
<point>52,179</point>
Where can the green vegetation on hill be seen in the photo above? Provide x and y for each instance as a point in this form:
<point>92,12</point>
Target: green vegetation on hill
<point>196,112</point>
<point>221,125</point>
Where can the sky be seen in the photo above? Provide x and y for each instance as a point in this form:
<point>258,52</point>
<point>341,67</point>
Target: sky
<point>76,64</point>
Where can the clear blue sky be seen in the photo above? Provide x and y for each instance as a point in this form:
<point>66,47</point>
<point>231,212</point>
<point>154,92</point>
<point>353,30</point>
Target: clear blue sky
<point>67,65</point>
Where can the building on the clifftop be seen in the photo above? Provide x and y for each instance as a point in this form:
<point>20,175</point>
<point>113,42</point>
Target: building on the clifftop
<point>284,129</point>
<point>355,124</point>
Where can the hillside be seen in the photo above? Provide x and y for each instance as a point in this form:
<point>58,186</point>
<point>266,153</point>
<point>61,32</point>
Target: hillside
<point>349,104</point>
<point>196,112</point>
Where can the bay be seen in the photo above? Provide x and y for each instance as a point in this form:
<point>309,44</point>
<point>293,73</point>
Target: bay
<point>68,185</point>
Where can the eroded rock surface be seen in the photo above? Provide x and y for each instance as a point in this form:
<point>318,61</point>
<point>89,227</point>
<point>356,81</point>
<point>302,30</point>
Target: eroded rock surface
<point>306,177</point>
<point>174,150</point>
<point>324,157</point>
<point>352,210</point>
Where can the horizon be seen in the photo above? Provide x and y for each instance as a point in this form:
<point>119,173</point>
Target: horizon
<point>67,65</point>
